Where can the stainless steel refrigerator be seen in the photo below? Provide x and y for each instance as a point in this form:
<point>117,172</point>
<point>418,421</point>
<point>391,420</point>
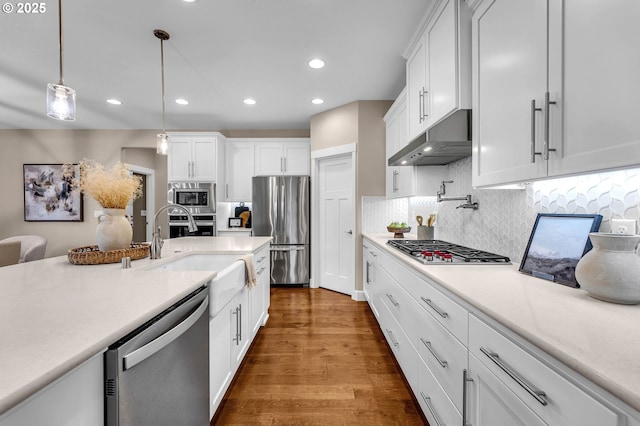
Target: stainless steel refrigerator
<point>281,210</point>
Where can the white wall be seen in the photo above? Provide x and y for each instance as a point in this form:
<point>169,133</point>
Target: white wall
<point>504,220</point>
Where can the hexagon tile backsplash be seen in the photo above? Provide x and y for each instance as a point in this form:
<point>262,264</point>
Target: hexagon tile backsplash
<point>502,224</point>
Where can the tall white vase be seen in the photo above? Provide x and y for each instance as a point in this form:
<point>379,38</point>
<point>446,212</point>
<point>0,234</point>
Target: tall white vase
<point>611,271</point>
<point>114,230</point>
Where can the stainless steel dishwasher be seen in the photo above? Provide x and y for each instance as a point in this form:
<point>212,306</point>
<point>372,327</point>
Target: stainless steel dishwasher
<point>159,373</point>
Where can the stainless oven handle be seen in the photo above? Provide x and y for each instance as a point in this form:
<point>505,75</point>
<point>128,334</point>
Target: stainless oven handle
<point>139,355</point>
<point>187,223</point>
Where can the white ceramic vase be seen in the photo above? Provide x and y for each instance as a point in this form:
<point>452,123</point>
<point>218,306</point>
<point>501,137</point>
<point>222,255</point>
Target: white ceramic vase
<point>611,271</point>
<point>114,231</point>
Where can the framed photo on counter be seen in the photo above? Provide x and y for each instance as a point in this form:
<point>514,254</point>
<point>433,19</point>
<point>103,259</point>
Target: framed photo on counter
<point>556,244</point>
<point>50,195</point>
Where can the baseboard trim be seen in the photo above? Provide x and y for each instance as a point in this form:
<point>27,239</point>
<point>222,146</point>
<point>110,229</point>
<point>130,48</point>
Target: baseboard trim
<point>359,296</point>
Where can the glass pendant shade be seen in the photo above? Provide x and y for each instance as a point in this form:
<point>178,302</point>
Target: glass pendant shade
<point>162,144</point>
<point>61,102</point>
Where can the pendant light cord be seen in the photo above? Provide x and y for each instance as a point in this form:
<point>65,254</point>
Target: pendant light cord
<point>162,68</point>
<point>60,39</point>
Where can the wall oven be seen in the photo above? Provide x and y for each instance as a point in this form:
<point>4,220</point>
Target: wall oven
<point>179,226</point>
<point>199,198</point>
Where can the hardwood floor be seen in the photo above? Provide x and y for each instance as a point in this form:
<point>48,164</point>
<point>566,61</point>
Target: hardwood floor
<point>320,360</point>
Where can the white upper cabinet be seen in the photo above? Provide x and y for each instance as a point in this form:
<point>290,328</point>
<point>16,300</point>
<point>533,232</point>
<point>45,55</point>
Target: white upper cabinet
<point>593,78</point>
<point>238,171</point>
<point>282,157</point>
<point>563,109</point>
<point>407,181</point>
<point>438,67</point>
<point>192,156</point>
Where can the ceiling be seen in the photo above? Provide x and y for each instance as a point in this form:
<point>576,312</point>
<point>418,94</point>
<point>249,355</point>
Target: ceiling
<point>220,52</point>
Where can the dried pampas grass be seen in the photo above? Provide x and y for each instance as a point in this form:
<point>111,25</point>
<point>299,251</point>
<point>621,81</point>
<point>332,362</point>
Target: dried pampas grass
<point>112,188</point>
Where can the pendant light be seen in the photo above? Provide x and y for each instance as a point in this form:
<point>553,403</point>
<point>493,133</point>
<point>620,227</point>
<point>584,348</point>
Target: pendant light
<point>162,143</point>
<point>61,100</point>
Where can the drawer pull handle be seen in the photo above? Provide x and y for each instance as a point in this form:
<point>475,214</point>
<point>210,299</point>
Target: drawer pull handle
<point>443,364</point>
<point>393,340</point>
<point>433,306</point>
<point>396,304</point>
<point>539,395</point>
<point>427,401</point>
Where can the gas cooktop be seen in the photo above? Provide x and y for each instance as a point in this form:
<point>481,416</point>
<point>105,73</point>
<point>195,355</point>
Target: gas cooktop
<point>442,252</point>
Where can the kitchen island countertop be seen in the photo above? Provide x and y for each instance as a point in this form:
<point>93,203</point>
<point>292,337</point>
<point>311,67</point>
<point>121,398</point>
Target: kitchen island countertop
<point>597,339</point>
<point>55,315</point>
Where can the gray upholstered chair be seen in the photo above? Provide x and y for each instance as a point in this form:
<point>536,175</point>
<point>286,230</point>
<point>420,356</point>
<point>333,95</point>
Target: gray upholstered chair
<point>32,247</point>
<point>9,252</point>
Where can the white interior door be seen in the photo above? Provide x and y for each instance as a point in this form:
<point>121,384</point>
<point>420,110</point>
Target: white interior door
<point>336,224</point>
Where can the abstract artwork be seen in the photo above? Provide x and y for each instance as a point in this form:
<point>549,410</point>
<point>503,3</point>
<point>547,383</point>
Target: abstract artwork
<point>50,195</point>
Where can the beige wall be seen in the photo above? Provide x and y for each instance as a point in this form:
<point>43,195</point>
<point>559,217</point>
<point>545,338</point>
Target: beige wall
<point>362,123</point>
<point>18,147</point>
<point>338,126</point>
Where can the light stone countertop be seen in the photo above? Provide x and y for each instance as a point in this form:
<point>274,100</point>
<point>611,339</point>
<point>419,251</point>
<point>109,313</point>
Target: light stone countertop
<point>597,339</point>
<point>55,315</point>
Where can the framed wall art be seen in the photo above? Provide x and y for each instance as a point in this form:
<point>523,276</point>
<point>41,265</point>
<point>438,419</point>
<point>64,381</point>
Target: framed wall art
<point>49,193</point>
<point>557,243</point>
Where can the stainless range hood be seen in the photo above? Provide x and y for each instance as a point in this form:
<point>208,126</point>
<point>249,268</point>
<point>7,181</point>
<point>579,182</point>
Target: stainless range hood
<point>443,143</point>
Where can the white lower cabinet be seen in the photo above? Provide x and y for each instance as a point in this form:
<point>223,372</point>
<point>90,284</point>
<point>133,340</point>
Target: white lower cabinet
<point>548,394</point>
<point>465,368</point>
<point>491,403</point>
<point>435,402</point>
<point>75,399</point>
<point>234,327</point>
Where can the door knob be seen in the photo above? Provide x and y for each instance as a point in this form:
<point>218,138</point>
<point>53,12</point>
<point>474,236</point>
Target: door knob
<point>350,232</point>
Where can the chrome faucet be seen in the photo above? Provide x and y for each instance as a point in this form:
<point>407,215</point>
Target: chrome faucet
<point>156,241</point>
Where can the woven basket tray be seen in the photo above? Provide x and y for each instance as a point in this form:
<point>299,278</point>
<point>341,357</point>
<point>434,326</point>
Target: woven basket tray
<point>91,255</point>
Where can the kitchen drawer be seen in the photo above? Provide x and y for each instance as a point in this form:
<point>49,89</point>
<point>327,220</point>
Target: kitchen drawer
<point>445,356</point>
<point>447,312</point>
<point>397,300</point>
<point>433,400</point>
<point>261,258</point>
<point>402,349</point>
<point>563,403</point>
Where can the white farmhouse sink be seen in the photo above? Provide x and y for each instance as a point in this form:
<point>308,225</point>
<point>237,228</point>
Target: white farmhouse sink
<point>197,262</point>
<point>228,281</point>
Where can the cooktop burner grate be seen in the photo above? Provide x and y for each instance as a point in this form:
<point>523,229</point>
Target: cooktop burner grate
<point>438,251</point>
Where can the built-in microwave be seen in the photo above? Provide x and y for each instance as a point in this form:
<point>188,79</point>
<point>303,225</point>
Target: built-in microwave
<point>197,197</point>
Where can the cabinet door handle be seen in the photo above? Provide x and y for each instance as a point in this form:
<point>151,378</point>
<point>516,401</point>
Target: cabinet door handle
<point>237,338</point>
<point>539,395</point>
<point>240,322</point>
<point>425,102</point>
<point>226,189</point>
<point>547,102</point>
<point>427,401</point>
<point>533,130</point>
<point>393,340</point>
<point>396,304</point>
<point>420,104</point>
<point>442,363</point>
<point>284,159</point>
<point>465,380</point>
<point>281,168</point>
<point>368,279</point>
<point>433,306</point>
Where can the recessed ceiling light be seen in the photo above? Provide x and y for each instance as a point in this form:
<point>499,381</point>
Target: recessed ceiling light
<point>114,102</point>
<point>427,149</point>
<point>249,101</point>
<point>189,1</point>
<point>317,101</point>
<point>404,162</point>
<point>316,63</point>
<point>182,101</point>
